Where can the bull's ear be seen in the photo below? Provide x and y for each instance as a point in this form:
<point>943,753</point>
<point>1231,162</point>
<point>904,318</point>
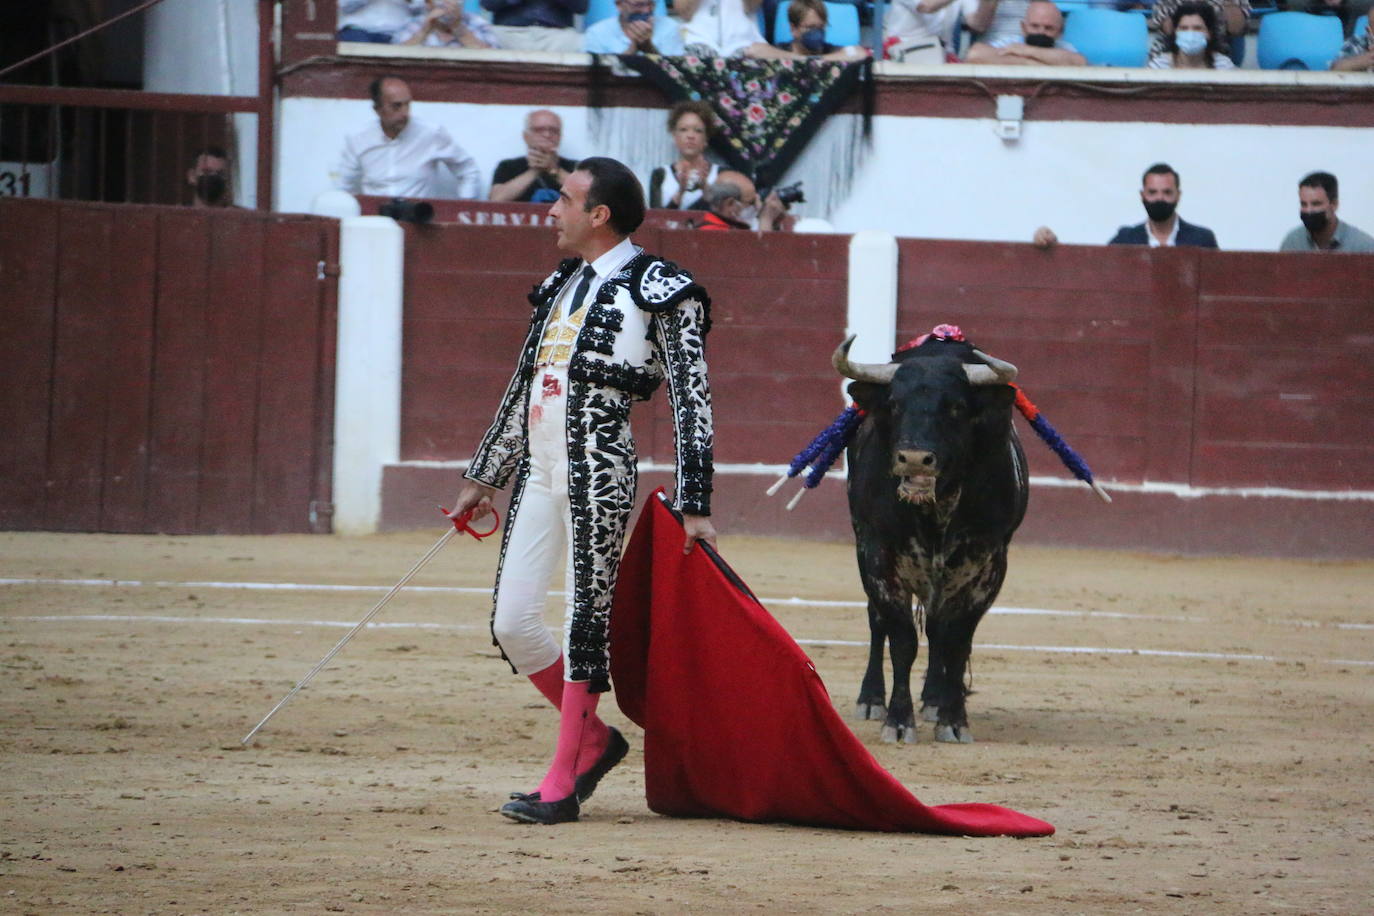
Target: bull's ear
<point>867,395</point>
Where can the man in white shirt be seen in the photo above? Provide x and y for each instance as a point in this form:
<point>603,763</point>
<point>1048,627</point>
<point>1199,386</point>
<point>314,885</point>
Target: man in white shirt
<point>923,29</point>
<point>402,157</point>
<point>725,28</point>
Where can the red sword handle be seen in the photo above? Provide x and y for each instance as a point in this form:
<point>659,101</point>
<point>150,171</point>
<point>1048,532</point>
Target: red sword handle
<point>461,523</point>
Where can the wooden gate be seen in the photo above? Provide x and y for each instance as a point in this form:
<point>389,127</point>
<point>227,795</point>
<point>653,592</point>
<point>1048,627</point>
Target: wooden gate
<point>165,369</point>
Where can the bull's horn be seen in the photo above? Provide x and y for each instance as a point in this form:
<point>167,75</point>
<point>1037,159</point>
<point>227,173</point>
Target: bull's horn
<point>996,372</point>
<point>876,373</point>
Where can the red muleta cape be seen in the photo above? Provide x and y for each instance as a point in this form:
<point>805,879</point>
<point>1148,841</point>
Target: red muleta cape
<point>736,720</point>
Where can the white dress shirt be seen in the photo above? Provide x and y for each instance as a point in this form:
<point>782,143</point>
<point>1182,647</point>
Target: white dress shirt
<point>407,166</point>
<point>1170,242</point>
<point>915,29</point>
<point>724,26</point>
<point>562,327</point>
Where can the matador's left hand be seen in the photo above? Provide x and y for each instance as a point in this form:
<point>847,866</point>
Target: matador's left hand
<point>699,528</point>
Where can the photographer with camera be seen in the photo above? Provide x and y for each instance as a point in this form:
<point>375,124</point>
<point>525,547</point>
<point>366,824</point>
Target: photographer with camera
<point>733,204</point>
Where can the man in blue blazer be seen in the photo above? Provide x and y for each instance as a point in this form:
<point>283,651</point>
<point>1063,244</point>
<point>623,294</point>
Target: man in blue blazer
<point>1159,192</point>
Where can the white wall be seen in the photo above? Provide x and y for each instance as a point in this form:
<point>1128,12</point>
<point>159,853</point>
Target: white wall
<point>949,177</point>
<point>953,178</point>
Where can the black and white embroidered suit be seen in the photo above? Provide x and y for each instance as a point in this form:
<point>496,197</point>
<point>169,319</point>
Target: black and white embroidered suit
<point>648,299</point>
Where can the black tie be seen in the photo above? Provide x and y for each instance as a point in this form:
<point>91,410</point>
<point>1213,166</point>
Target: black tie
<point>580,294</point>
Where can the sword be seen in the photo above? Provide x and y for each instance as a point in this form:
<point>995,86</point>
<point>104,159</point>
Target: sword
<point>459,524</point>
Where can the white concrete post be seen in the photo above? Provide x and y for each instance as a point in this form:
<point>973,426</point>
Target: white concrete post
<point>367,388</point>
<point>873,295</point>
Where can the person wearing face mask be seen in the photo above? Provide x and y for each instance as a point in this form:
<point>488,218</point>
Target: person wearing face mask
<point>634,30</point>
<point>1039,45</point>
<point>1231,16</point>
<point>1320,229</point>
<point>208,177</point>
<point>1193,43</point>
<point>807,20</point>
<point>1163,227</point>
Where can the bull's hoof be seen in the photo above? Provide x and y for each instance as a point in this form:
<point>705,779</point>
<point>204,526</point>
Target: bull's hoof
<point>953,734</point>
<point>930,713</point>
<point>865,711</point>
<point>899,734</point>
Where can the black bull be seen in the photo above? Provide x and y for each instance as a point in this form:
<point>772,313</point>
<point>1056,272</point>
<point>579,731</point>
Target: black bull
<point>937,486</point>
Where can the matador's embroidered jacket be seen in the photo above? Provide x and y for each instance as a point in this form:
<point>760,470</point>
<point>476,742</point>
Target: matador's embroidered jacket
<point>648,323</point>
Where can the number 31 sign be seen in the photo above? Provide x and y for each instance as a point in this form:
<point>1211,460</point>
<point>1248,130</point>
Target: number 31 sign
<point>20,179</point>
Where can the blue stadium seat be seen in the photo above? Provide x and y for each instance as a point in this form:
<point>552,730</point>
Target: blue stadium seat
<point>598,10</point>
<point>1360,25</point>
<point>1299,41</point>
<point>841,28</point>
<point>1108,38</point>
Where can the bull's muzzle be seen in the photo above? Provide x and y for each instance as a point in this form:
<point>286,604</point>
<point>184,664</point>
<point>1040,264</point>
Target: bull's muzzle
<point>917,470</point>
<point>910,461</point>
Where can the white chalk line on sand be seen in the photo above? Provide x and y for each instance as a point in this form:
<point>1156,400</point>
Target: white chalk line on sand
<point>845,643</point>
<point>481,590</point>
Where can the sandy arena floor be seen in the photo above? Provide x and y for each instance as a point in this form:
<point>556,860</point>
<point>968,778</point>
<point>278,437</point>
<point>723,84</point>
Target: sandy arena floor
<point>1230,778</point>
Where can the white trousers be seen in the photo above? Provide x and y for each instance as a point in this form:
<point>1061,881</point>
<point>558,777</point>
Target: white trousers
<point>538,38</point>
<point>540,534</point>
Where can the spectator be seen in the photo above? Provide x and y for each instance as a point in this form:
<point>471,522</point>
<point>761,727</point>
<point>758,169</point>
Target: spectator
<point>539,174</point>
<point>1232,17</point>
<point>375,21</point>
<point>1163,228</point>
<point>681,185</point>
<point>208,177</point>
<point>635,30</point>
<point>808,19</point>
<point>725,28</point>
<point>1358,51</point>
<point>400,157</point>
<point>1039,44</point>
<point>1320,229</point>
<point>922,31</point>
<point>731,200</point>
<point>446,25</point>
<point>997,20</point>
<point>536,25</point>
<point>1193,42</point>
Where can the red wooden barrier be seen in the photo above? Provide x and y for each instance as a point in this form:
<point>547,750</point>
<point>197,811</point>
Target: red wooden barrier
<point>166,369</point>
<point>1179,367</point>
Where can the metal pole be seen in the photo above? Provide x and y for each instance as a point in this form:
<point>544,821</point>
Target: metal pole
<point>266,101</point>
<point>438,546</point>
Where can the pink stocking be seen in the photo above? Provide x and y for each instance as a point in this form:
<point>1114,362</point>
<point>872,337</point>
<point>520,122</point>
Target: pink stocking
<point>549,682</point>
<point>581,739</point>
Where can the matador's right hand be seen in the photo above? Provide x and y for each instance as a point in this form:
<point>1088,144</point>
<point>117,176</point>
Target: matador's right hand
<point>473,496</point>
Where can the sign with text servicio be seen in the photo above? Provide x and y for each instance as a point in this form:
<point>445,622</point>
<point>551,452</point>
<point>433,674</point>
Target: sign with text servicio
<point>493,213</point>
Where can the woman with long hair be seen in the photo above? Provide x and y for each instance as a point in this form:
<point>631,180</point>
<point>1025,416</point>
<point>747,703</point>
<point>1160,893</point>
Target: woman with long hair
<point>1192,43</point>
